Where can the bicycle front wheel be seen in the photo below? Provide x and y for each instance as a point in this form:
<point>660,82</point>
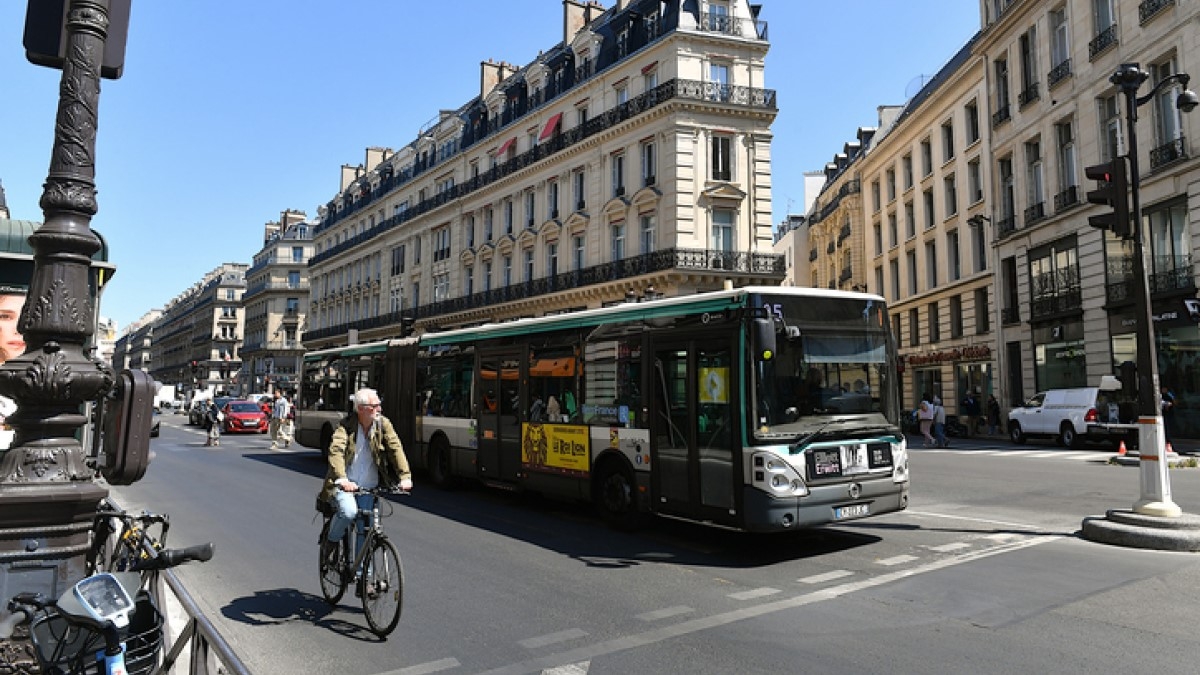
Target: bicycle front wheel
<point>333,565</point>
<point>382,587</point>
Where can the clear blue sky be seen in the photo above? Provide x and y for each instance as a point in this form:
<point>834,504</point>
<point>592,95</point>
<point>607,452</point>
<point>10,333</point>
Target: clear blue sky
<point>230,112</point>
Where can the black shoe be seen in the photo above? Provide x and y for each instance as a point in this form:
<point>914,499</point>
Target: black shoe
<point>329,552</point>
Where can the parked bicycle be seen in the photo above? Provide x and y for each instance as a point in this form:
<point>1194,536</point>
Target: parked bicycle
<point>107,622</point>
<point>372,564</point>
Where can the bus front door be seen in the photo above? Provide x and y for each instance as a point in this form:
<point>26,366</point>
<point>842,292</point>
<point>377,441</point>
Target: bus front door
<point>694,430</point>
<point>499,408</point>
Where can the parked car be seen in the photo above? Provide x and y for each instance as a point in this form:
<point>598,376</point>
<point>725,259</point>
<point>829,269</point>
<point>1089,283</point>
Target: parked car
<point>1073,416</point>
<point>155,423</point>
<point>245,417</point>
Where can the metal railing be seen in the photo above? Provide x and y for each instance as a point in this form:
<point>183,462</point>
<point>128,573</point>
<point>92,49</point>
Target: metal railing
<point>198,641</point>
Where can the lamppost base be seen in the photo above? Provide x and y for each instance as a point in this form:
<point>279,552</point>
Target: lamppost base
<point>1160,509</point>
<point>1137,530</point>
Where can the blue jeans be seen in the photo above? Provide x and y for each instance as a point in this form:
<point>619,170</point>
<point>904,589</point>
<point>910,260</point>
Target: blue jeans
<point>347,505</point>
<point>939,432</point>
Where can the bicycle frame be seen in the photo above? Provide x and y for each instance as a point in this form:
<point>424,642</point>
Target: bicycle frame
<point>373,529</point>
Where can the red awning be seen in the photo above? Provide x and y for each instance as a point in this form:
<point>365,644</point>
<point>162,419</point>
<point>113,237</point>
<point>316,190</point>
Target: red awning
<point>550,127</point>
<point>504,148</point>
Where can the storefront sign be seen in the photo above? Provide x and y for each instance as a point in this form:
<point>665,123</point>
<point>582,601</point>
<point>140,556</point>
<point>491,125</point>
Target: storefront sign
<point>972,353</point>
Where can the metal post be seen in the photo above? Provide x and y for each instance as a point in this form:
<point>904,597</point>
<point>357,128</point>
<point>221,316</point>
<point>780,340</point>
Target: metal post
<point>1155,499</point>
<point>47,495</point>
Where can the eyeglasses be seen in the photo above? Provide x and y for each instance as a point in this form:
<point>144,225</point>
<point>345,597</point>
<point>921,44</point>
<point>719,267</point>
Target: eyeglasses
<point>371,405</point>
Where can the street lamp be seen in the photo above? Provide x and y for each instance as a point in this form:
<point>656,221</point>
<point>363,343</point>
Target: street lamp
<point>1155,484</point>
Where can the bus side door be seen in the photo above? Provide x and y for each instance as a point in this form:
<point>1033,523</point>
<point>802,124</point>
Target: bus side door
<point>499,407</point>
<point>695,426</point>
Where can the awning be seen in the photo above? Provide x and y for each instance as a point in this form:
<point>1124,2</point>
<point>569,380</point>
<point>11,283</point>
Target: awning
<point>504,148</point>
<point>550,127</point>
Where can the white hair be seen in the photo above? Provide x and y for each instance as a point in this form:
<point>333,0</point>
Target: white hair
<point>363,396</point>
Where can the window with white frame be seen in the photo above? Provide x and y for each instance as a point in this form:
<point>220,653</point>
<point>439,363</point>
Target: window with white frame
<point>1103,14</point>
<point>552,198</point>
<point>577,245</point>
<point>1110,126</point>
<point>722,158</point>
<point>508,216</point>
<point>648,163</point>
<point>1034,175</point>
<point>1168,123</point>
<point>552,259</point>
<point>1060,47</point>
<point>618,240</point>
<point>528,253</point>
<point>1008,195</point>
<point>972,119</point>
<point>906,164</point>
<point>926,157</point>
<point>578,180</point>
<point>396,299</point>
<point>507,271</point>
<point>975,180</point>
<point>1068,161</point>
<point>722,229</point>
<point>891,185</point>
<point>487,275</point>
<point>647,235</point>
<point>468,280</point>
<point>930,214</point>
<point>717,87</point>
<point>441,287</point>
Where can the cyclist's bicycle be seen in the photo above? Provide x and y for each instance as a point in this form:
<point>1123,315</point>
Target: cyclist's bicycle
<point>106,623</point>
<point>374,567</point>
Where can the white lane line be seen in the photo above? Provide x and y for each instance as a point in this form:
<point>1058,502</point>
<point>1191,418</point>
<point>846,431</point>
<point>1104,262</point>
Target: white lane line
<point>946,548</point>
<point>1018,453</point>
<point>552,638</point>
<point>828,576</point>
<point>664,633</point>
<point>665,612</point>
<point>425,668</point>
<point>897,560</point>
<point>986,521</point>
<point>754,593</point>
<point>569,669</point>
<point>1002,536</point>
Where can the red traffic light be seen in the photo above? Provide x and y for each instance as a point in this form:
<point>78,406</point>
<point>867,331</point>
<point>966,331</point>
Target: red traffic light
<point>1113,191</point>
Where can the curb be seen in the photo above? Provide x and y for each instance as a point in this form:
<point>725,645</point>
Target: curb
<point>1127,528</point>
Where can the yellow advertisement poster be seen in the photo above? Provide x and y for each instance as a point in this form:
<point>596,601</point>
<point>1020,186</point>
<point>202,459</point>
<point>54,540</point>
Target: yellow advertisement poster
<point>714,385</point>
<point>559,448</point>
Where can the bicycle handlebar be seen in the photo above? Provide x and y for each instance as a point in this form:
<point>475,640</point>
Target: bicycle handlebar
<point>172,557</point>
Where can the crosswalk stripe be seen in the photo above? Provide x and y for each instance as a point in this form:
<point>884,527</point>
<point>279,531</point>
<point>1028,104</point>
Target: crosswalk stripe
<point>828,576</point>
<point>946,548</point>
<point>897,560</point>
<point>754,593</point>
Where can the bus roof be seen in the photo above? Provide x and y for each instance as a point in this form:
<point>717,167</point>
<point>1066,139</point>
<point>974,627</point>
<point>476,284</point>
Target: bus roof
<point>360,349</point>
<point>649,309</point>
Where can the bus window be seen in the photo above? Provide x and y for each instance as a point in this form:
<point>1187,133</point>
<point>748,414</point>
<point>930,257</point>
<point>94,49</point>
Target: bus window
<point>552,384</point>
<point>612,377</point>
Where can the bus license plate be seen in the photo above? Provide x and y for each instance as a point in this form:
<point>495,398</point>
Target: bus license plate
<point>852,511</point>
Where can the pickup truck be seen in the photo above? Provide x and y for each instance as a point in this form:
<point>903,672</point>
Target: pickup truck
<point>1074,416</point>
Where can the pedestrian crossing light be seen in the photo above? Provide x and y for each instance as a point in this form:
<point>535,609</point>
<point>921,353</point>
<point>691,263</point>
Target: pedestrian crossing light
<point>1112,191</point>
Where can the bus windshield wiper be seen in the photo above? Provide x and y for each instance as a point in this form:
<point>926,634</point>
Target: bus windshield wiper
<point>800,444</point>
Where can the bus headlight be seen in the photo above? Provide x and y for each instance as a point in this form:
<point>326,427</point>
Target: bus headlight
<point>776,475</point>
<point>900,462</point>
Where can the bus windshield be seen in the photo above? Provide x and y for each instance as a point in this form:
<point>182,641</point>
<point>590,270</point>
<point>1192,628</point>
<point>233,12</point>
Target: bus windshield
<point>831,361</point>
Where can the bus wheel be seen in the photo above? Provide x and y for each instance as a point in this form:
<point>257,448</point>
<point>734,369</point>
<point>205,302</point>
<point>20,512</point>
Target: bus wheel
<point>615,496</point>
<point>439,463</point>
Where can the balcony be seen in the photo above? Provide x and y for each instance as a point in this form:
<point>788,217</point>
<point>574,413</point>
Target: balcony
<point>844,233</point>
<point>1029,95</point>
<point>1167,153</point>
<point>845,275</point>
<point>1035,213</point>
<point>770,268</point>
<point>1002,115</point>
<point>720,22</point>
<point>1102,42</point>
<point>1054,304</point>
<point>1151,8</point>
<point>1006,226</point>
<point>1066,199</point>
<point>1172,273</point>
<point>1058,73</point>
<point>1010,315</point>
<point>672,90</point>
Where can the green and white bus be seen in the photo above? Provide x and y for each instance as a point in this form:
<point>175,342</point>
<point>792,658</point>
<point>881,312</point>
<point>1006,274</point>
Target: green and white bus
<point>760,409</point>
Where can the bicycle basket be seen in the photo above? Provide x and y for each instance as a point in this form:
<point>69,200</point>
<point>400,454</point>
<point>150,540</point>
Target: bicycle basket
<point>62,647</point>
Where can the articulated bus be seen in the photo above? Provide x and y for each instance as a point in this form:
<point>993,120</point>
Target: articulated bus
<point>758,409</point>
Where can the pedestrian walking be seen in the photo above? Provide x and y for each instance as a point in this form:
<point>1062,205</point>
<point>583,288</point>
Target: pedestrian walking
<point>925,418</point>
<point>214,417</point>
<point>993,415</point>
<point>280,408</point>
<point>939,423</point>
<point>970,413</point>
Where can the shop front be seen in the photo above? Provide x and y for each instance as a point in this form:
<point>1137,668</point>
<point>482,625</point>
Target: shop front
<point>1177,339</point>
<point>968,369</point>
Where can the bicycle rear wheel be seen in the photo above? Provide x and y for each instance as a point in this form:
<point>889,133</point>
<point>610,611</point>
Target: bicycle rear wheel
<point>332,568</point>
<point>382,587</point>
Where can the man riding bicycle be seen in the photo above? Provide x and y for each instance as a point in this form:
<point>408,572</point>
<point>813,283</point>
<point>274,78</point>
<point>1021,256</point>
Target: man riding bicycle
<point>364,453</point>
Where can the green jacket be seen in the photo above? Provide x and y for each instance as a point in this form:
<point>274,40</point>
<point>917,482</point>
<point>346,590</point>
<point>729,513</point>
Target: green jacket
<point>385,446</point>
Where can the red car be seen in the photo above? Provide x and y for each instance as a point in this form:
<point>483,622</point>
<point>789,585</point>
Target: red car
<point>245,417</point>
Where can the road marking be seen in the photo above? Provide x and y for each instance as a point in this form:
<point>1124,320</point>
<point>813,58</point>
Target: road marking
<point>1018,453</point>
<point>424,668</point>
<point>1001,536</point>
<point>552,638</point>
<point>828,576</point>
<point>754,593</point>
<point>987,521</point>
<point>946,548</point>
<point>569,669</point>
<point>656,635</point>
<point>897,560</point>
<point>665,612</point>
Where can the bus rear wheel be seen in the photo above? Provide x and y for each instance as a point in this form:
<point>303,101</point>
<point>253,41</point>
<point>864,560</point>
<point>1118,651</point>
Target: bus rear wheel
<point>615,496</point>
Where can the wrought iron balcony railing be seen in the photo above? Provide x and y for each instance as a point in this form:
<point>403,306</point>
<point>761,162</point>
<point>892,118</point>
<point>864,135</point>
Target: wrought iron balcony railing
<point>671,90</point>
<point>1010,315</point>
<point>1103,40</point>
<point>1066,199</point>
<point>767,265</point>
<point>1056,303</point>
<point>1035,213</point>
<point>1150,9</point>
<point>1006,226</point>
<point>1168,152</point>
<point>1058,73</point>
<point>1002,115</point>
<point>1029,95</point>
<point>719,22</point>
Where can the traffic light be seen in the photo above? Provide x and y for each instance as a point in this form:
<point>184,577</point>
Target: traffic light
<point>406,325</point>
<point>1113,191</point>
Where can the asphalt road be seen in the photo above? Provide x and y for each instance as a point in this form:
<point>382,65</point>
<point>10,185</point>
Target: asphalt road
<point>983,574</point>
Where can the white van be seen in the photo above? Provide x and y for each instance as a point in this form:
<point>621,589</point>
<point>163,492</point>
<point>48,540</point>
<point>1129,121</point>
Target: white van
<point>1073,416</point>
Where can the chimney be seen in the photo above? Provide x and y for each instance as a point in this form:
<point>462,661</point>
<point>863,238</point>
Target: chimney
<point>575,17</point>
<point>375,155</point>
<point>489,76</point>
<point>349,175</point>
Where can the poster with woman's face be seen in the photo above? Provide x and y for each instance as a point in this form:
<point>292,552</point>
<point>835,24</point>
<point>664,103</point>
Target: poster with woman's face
<point>12,345</point>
